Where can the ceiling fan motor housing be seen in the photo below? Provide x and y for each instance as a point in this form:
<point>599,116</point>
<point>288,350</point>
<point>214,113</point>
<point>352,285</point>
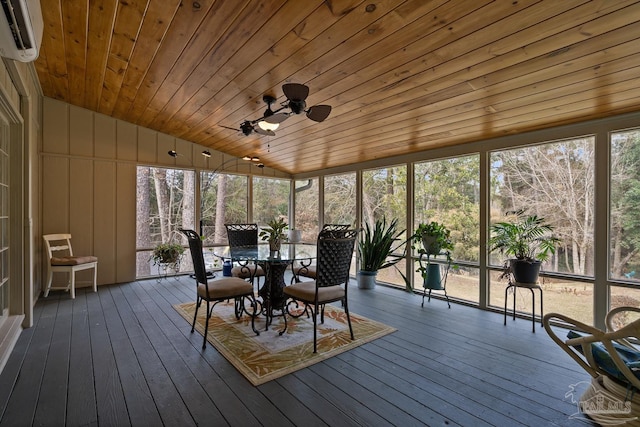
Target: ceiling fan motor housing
<point>297,106</point>
<point>246,128</point>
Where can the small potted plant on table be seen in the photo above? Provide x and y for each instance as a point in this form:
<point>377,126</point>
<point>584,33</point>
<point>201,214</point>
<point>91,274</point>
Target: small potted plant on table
<point>274,233</point>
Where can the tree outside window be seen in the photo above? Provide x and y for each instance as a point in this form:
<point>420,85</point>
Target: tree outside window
<point>223,200</point>
<point>165,203</point>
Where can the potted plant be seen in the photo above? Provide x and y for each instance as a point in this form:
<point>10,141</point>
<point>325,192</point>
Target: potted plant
<point>274,233</point>
<point>432,239</point>
<point>375,250</point>
<point>167,255</point>
<point>528,240</point>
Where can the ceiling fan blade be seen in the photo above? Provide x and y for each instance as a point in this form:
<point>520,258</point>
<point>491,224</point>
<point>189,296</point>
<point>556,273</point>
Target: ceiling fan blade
<point>277,118</point>
<point>295,91</point>
<point>261,131</point>
<point>227,127</point>
<point>318,113</point>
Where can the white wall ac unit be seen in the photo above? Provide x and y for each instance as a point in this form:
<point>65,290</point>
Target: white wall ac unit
<point>20,29</point>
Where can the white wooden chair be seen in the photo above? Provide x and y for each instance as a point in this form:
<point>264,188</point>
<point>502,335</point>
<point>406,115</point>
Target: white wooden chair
<point>61,260</point>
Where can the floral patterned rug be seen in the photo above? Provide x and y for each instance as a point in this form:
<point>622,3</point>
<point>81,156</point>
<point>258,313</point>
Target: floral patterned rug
<point>264,357</point>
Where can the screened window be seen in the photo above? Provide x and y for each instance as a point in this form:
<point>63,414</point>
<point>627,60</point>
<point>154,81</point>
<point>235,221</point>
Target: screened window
<point>340,199</point>
<point>223,200</point>
<point>554,181</point>
<point>384,194</point>
<point>270,199</point>
<point>306,209</point>
<point>165,203</point>
<point>624,204</point>
<point>448,191</point>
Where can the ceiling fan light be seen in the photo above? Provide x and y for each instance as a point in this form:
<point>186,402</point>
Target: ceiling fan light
<point>268,126</point>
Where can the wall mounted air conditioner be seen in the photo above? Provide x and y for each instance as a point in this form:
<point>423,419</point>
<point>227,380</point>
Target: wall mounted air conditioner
<point>20,29</point>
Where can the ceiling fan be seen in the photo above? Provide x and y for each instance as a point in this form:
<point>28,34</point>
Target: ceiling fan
<point>296,95</point>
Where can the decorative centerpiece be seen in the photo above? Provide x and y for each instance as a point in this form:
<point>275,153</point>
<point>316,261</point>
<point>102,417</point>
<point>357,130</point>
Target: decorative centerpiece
<point>274,233</point>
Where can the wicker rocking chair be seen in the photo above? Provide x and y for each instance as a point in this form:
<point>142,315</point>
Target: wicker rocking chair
<point>612,358</point>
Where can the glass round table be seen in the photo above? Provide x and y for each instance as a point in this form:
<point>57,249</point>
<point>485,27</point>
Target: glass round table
<point>274,264</point>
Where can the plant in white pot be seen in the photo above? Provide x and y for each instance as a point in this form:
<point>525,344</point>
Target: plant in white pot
<point>274,233</point>
<point>527,239</point>
<point>376,250</point>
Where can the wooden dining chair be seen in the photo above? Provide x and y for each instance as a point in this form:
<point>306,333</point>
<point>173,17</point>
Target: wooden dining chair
<point>334,254</point>
<point>217,290</point>
<point>60,259</point>
<point>244,235</point>
<point>309,271</point>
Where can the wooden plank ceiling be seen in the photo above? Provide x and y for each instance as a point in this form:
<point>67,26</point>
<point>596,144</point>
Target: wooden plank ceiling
<point>401,76</point>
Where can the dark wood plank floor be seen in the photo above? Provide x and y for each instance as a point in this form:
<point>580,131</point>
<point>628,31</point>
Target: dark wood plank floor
<point>123,356</point>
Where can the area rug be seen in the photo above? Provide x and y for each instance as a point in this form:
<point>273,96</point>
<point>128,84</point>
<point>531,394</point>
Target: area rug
<point>264,357</point>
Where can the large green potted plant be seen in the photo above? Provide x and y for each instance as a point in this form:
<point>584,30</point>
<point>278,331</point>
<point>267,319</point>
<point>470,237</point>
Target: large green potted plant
<point>167,255</point>
<point>527,240</point>
<point>376,249</point>
<point>274,233</point>
<point>431,240</point>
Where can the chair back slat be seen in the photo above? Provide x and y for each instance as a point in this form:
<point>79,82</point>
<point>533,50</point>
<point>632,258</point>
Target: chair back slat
<point>336,227</point>
<point>53,244</point>
<point>242,234</point>
<point>195,247</point>
<point>335,252</point>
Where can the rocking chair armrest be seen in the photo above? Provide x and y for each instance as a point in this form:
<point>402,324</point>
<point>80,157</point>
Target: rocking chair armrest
<point>583,349</point>
<point>571,350</point>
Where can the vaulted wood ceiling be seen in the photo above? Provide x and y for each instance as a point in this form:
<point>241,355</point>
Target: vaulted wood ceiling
<point>401,76</point>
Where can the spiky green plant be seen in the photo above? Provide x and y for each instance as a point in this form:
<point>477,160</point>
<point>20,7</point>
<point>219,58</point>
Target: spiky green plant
<point>377,246</point>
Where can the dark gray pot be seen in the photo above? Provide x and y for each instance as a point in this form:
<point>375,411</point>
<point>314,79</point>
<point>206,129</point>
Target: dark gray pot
<point>525,271</point>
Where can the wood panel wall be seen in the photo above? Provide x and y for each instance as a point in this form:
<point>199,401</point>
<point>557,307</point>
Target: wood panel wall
<point>88,164</point>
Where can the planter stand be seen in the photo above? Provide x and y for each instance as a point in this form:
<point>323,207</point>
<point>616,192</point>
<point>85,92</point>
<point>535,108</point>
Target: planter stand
<point>513,285</point>
<point>436,279</point>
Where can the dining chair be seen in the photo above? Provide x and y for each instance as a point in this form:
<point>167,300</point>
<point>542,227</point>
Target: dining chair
<point>61,260</point>
<point>310,271</point>
<point>217,290</point>
<point>244,235</point>
<point>334,255</point>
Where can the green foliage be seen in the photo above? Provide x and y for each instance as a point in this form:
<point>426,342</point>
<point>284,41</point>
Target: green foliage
<point>525,238</point>
<point>274,230</point>
<point>448,190</point>
<point>432,239</point>
<point>438,237</point>
<point>167,254</point>
<point>376,247</point>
